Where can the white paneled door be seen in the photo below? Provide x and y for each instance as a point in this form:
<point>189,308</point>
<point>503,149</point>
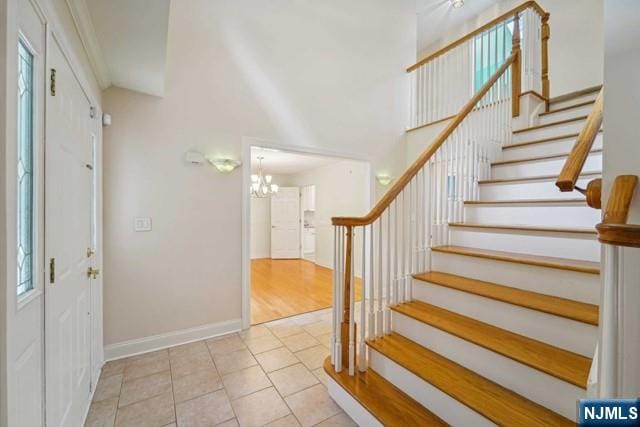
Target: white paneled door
<point>68,219</point>
<point>285,223</point>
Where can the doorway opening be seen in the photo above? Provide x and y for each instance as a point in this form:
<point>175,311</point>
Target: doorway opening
<point>293,196</point>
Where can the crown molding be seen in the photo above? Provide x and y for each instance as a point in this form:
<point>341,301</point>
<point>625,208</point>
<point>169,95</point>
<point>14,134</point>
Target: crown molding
<point>84,25</point>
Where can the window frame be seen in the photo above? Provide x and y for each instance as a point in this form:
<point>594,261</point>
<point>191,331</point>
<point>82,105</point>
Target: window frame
<point>37,154</point>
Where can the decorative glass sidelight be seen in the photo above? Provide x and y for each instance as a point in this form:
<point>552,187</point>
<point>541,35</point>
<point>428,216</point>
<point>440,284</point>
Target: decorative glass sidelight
<point>25,182</point>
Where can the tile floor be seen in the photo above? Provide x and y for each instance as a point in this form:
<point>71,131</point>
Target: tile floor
<point>268,375</point>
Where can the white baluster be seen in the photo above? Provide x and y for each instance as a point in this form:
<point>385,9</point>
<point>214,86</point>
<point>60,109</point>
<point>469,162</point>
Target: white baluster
<point>339,305</point>
<point>379,313</point>
<point>387,311</point>
<point>352,317</point>
<point>362,362</point>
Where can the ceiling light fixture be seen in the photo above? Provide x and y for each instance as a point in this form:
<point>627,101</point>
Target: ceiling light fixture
<point>457,4</point>
<point>261,185</point>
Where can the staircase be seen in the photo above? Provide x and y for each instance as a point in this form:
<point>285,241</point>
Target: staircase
<point>502,327</point>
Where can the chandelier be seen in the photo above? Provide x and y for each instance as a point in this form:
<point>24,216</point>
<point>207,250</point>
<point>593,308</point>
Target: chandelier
<point>261,185</point>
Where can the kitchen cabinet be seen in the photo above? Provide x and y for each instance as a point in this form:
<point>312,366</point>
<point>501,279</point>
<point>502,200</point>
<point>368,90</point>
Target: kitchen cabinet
<point>309,240</point>
<point>309,198</point>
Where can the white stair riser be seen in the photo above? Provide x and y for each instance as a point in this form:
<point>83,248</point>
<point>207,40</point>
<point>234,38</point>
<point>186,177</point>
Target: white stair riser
<point>559,146</point>
<point>583,287</point>
<point>441,404</point>
<point>528,382</point>
<point>544,214</point>
<point>580,246</point>
<point>557,331</point>
<point>352,407</point>
<point>583,110</point>
<point>541,167</point>
<point>573,101</point>
<point>549,131</point>
<point>540,189</point>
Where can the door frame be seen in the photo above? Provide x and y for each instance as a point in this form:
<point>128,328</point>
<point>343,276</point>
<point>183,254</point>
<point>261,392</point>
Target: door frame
<point>247,144</point>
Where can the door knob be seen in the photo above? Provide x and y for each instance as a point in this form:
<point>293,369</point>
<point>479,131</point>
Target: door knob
<point>92,273</point>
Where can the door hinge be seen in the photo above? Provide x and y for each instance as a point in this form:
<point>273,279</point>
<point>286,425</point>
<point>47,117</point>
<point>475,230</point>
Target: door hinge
<point>52,270</point>
<point>53,82</point>
<point>92,112</point>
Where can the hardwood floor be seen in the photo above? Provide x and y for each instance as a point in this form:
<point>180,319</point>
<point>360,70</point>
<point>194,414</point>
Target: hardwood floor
<point>286,287</point>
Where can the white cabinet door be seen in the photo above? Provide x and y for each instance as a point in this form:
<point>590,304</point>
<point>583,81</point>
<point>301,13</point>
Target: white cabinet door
<point>309,241</point>
<point>285,223</point>
<point>309,198</point>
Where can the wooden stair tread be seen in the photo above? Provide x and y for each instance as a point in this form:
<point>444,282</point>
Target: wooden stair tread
<point>535,178</point>
<point>575,94</point>
<point>569,309</point>
<point>568,107</point>
<point>525,201</point>
<point>543,140</point>
<point>533,159</point>
<point>386,402</point>
<point>519,258</point>
<point>534,228</point>
<point>546,125</point>
<point>498,404</point>
<point>565,365</point>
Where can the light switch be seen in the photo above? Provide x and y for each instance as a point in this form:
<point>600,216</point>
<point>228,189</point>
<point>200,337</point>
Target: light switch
<point>142,224</point>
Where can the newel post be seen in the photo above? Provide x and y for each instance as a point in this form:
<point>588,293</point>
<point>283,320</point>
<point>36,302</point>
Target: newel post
<point>545,56</point>
<point>346,318</point>
<point>516,85</point>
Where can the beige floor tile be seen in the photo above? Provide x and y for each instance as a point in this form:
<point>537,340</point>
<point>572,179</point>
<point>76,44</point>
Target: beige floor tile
<point>288,421</point>
<point>196,384</point>
<point>312,405</point>
<point>321,375</point>
<point>276,359</point>
<point>143,367</point>
<point>230,423</point>
<point>143,388</point>
<point>245,382</point>
<point>187,349</point>
<point>340,420</point>
<point>292,379</point>
<point>255,332</point>
<point>102,413</point>
<point>171,425</point>
<point>325,340</point>
<point>262,344</point>
<point>113,367</point>
<point>231,362</point>
<point>207,410</point>
<point>313,357</point>
<point>108,387</point>
<point>227,344</point>
<point>299,341</point>
<point>149,357</point>
<point>260,408</point>
<point>286,329</point>
<point>190,364</point>
<point>154,412</point>
<point>318,328</point>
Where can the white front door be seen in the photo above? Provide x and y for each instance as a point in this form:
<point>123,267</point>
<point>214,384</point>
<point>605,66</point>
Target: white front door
<point>68,204</point>
<point>285,223</point>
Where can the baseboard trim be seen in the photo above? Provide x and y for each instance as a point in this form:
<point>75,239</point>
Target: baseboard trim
<point>170,339</point>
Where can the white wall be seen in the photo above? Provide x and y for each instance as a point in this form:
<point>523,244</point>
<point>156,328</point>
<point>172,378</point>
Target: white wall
<point>342,189</point>
<point>324,74</point>
<point>260,227</point>
<point>575,46</point>
<point>622,156</point>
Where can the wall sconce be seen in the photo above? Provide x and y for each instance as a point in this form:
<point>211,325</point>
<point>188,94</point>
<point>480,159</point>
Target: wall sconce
<point>384,180</point>
<point>225,165</point>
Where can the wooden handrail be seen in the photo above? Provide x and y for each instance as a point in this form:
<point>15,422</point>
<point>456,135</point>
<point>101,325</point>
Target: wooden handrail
<point>504,16</point>
<point>415,167</point>
<point>575,162</point>
<point>614,229</point>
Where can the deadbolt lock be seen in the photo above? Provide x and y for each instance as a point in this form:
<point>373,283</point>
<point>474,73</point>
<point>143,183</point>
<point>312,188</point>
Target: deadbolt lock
<point>90,252</point>
<point>92,273</point>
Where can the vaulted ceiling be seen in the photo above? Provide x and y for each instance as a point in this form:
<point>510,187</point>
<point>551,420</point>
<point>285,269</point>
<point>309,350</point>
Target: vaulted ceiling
<point>126,41</point>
